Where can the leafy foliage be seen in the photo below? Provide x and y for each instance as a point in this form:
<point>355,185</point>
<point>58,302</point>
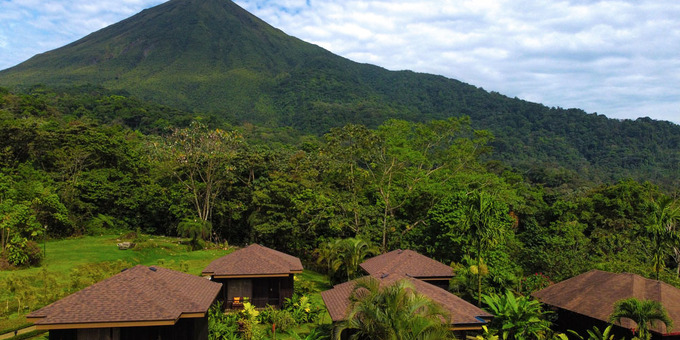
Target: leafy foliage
<point>342,257</point>
<point>221,326</point>
<point>67,163</point>
<point>517,317</point>
<point>596,334</point>
<point>396,311</point>
<point>643,312</point>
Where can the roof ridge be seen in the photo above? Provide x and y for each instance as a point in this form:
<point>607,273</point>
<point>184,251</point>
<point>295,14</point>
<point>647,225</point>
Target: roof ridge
<point>179,294</point>
<point>149,297</point>
<point>283,256</point>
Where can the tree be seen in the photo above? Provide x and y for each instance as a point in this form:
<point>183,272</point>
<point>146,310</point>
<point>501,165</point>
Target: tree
<point>661,231</point>
<point>327,253</point>
<point>396,311</point>
<point>517,317</point>
<point>644,313</point>
<point>484,224</point>
<point>197,230</point>
<point>342,257</point>
<point>352,253</point>
<point>201,159</point>
<point>398,164</point>
<point>345,148</point>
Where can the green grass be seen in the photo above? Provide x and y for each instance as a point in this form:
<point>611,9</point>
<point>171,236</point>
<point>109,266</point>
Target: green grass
<point>68,255</point>
<point>64,256</point>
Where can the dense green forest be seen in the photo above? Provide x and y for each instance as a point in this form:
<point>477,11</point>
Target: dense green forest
<point>213,56</point>
<point>89,161</point>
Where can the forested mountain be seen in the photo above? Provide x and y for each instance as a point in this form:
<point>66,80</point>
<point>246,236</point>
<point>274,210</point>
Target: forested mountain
<point>211,56</point>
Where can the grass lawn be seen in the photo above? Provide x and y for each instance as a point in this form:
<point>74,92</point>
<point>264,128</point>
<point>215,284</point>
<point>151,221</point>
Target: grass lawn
<point>69,257</point>
<point>64,256</point>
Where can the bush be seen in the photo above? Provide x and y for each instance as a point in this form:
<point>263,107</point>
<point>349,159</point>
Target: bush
<point>304,287</point>
<point>88,274</point>
<point>302,310</point>
<point>220,325</point>
<point>4,264</point>
<point>99,224</point>
<point>35,254</point>
<point>22,252</point>
<point>281,318</point>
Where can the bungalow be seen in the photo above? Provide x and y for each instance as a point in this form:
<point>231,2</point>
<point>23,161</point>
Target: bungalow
<point>257,274</point>
<point>588,299</point>
<point>464,315</point>
<point>427,276</point>
<point>138,303</point>
<point>409,263</point>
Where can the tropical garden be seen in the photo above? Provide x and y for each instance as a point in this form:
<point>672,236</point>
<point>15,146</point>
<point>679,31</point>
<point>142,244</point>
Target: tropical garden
<point>88,163</point>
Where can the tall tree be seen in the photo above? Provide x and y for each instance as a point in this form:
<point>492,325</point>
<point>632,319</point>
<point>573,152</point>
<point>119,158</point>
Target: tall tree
<point>400,162</point>
<point>201,159</point>
<point>345,148</point>
<point>661,230</point>
<point>644,313</point>
<point>484,224</point>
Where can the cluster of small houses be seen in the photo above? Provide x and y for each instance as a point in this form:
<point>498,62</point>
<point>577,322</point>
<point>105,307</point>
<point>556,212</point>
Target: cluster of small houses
<point>157,303</point>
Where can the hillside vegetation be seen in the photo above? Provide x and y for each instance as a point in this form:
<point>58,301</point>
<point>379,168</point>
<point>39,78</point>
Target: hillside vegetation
<point>68,164</point>
<point>211,56</point>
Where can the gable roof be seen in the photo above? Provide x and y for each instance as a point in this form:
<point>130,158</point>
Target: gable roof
<point>406,262</point>
<point>594,294</point>
<point>254,261</point>
<point>464,315</point>
<point>138,296</point>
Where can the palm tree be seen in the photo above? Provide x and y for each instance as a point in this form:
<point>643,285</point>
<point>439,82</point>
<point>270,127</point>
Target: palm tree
<point>661,231</point>
<point>198,230</point>
<point>393,312</point>
<point>327,254</point>
<point>352,253</point>
<point>483,224</point>
<point>643,312</point>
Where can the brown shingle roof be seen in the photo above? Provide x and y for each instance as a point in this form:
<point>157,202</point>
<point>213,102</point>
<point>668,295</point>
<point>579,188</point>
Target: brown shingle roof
<point>594,293</point>
<point>254,260</point>
<point>138,294</point>
<point>463,314</point>
<point>407,262</point>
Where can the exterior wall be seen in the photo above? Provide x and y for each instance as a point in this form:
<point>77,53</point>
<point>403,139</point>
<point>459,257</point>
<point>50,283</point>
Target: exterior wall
<point>266,291</point>
<point>444,284</point>
<point>63,334</point>
<point>287,288</point>
<point>259,291</point>
<point>191,328</point>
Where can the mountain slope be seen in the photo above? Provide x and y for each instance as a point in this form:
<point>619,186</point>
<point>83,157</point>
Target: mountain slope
<point>211,55</point>
<point>200,54</point>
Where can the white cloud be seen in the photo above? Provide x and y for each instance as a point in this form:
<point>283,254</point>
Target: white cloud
<point>616,57</point>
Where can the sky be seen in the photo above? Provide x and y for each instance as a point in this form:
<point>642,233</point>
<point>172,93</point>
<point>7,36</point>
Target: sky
<point>617,58</point>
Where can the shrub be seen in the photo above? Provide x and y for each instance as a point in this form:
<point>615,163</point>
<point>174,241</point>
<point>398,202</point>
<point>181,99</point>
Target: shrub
<point>22,252</point>
<point>4,264</point>
<point>301,309</point>
<point>281,318</point>
<point>304,287</point>
<point>220,325</point>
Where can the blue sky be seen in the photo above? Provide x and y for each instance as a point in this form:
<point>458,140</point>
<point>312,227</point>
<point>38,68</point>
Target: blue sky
<point>618,58</point>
